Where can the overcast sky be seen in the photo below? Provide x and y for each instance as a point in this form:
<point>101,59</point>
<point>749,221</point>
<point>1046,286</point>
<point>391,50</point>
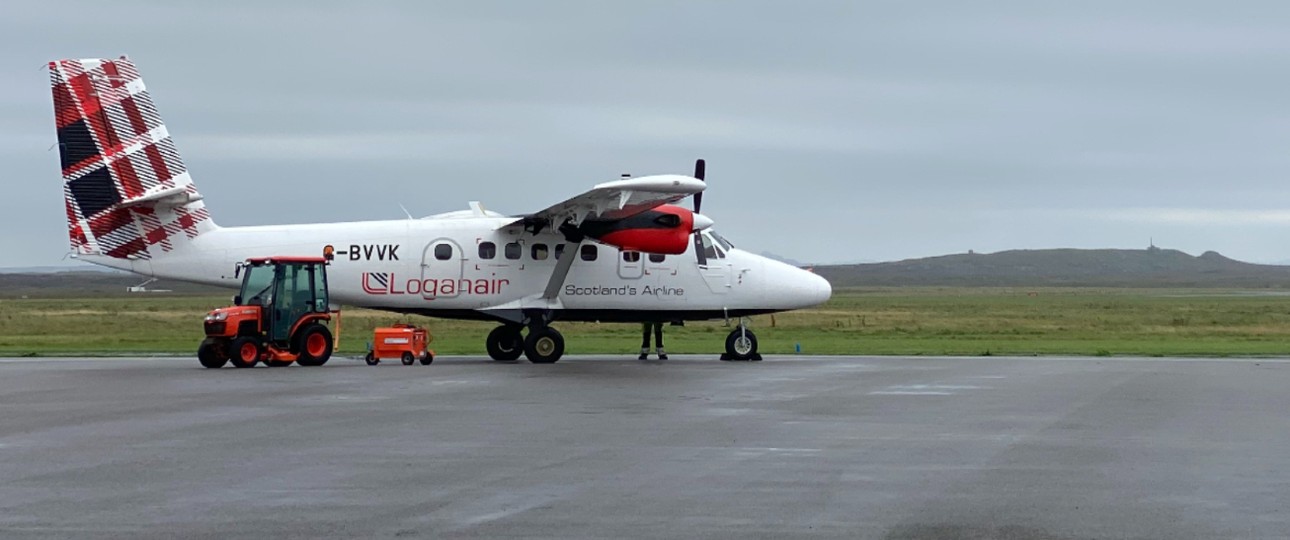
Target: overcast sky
<point>834,131</point>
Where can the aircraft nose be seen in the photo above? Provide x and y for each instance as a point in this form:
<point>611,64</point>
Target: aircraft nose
<point>820,289</point>
<point>701,222</point>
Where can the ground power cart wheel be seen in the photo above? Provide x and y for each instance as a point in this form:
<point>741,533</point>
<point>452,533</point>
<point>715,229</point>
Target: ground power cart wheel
<point>406,342</point>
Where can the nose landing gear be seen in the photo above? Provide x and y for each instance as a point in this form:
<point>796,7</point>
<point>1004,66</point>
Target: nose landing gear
<point>741,345</point>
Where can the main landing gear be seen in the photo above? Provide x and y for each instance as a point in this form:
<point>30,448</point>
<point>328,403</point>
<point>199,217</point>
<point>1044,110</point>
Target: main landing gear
<point>543,345</point>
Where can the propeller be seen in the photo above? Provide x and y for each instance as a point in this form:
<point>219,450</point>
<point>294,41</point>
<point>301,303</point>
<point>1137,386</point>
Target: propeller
<point>700,168</point>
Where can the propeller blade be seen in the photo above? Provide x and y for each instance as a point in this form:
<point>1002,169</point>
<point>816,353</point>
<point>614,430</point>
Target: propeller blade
<point>700,168</point>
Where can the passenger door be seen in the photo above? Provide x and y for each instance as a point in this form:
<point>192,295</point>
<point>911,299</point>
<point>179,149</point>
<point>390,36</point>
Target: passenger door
<point>441,261</point>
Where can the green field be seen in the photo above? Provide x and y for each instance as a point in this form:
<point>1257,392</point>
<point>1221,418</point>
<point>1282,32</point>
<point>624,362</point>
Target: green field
<point>905,321</point>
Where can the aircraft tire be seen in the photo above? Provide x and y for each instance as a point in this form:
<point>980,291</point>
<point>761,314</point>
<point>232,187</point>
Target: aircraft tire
<point>314,344</point>
<point>212,353</point>
<point>505,344</point>
<point>241,348</point>
<point>544,346</point>
<point>741,344</point>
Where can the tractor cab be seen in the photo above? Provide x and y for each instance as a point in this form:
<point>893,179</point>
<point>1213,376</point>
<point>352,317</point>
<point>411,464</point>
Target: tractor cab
<point>278,317</point>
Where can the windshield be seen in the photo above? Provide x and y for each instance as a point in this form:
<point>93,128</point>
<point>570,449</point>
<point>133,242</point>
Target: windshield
<point>256,286</point>
<point>725,244</point>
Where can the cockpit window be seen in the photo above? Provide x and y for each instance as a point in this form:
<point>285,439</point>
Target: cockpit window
<point>709,247</point>
<point>721,240</point>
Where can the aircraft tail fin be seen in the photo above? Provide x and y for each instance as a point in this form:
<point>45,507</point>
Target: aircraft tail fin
<point>127,191</point>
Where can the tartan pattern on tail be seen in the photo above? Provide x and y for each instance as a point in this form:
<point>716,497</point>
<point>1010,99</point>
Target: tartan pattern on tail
<point>114,149</point>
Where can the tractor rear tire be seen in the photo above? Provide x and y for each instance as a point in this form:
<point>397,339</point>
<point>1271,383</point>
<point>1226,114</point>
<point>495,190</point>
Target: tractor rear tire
<point>212,353</point>
<point>314,345</point>
<point>245,351</point>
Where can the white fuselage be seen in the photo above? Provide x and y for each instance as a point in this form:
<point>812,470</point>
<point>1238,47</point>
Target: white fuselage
<point>402,265</point>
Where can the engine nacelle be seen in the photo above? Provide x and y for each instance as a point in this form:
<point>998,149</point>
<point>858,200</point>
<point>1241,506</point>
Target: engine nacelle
<point>665,229</point>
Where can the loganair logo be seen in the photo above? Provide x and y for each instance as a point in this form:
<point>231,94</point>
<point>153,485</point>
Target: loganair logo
<point>388,283</point>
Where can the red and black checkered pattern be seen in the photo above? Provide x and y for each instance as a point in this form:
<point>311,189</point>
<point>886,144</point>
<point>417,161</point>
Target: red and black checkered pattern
<point>115,150</point>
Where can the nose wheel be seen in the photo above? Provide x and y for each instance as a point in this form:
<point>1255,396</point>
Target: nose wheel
<point>741,345</point>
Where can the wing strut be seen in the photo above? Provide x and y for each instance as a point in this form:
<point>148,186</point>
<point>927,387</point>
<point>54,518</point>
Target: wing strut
<point>570,249</point>
<point>562,267</point>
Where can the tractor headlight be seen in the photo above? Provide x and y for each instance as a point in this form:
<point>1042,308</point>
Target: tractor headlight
<point>216,316</point>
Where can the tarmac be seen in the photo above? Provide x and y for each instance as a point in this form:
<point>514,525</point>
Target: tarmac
<point>612,447</point>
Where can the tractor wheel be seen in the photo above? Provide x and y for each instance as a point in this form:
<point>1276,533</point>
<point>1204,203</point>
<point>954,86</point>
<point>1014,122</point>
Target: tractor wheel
<point>371,359</point>
<point>427,358</point>
<point>314,344</point>
<point>408,359</point>
<point>213,353</point>
<point>505,343</point>
<point>245,351</point>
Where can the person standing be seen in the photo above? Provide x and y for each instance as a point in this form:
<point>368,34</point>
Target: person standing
<point>658,340</point>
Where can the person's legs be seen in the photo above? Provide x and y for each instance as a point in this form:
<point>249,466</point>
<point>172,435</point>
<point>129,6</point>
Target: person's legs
<point>644,342</point>
<point>658,340</point>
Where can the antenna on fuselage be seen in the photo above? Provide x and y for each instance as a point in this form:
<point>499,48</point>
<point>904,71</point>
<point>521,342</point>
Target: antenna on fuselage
<point>406,212</point>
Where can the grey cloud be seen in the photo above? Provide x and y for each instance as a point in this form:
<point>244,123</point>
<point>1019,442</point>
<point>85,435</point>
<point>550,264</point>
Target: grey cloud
<point>866,130</point>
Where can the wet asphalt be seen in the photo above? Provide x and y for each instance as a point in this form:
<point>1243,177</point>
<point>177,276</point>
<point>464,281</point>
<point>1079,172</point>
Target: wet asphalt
<point>611,447</point>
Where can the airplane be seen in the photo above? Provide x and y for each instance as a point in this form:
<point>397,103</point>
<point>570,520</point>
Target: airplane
<point>620,252</point>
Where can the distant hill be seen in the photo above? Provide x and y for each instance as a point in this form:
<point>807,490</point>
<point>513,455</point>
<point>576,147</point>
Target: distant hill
<point>1152,267</point>
<point>66,284</point>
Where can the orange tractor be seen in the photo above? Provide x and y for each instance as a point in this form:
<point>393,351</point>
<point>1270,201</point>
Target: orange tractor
<point>278,318</point>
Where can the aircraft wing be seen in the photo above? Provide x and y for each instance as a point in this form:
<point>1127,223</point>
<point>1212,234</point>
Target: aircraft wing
<point>616,200</point>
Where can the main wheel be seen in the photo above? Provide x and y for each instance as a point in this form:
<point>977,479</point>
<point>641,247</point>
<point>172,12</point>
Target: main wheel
<point>544,346</point>
<point>741,344</point>
<point>408,359</point>
<point>245,351</point>
<point>505,343</point>
<point>427,358</point>
<point>314,345</point>
<point>213,353</point>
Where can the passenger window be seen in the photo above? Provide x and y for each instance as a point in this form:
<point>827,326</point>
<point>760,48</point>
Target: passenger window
<point>559,250</point>
<point>589,252</point>
<point>443,252</point>
<point>631,256</point>
<point>513,251</point>
<point>657,257</point>
<point>487,250</point>
<point>539,252</point>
